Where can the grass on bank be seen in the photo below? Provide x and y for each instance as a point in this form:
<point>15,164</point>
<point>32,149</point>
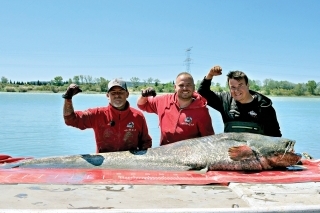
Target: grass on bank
<point>296,90</point>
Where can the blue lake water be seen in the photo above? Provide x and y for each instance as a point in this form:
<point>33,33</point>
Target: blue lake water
<point>31,124</point>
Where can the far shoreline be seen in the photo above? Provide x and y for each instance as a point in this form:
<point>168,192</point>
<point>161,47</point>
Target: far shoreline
<point>135,93</point>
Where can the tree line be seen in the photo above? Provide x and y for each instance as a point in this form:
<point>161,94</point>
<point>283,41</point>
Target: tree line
<point>100,85</point>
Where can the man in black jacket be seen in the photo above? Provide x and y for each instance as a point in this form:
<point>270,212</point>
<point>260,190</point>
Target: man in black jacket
<point>242,110</point>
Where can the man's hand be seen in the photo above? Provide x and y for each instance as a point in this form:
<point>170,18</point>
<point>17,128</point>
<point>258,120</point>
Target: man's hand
<point>148,92</point>
<point>72,90</point>
<point>214,71</point>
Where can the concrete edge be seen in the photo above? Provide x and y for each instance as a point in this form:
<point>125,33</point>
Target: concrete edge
<point>306,209</point>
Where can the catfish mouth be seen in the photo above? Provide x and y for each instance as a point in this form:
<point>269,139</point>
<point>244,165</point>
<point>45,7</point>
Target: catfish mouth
<point>284,160</point>
<point>289,155</point>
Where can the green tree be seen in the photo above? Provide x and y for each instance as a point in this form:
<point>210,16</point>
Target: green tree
<point>58,81</point>
<point>88,79</point>
<point>270,84</point>
<point>311,86</point>
<point>81,78</point>
<point>197,84</point>
<point>159,88</point>
<point>103,84</point>
<point>156,82</point>
<point>255,85</point>
<point>144,82</point>
<point>150,80</point>
<point>216,87</point>
<point>4,80</point>
<point>135,82</point>
<point>286,85</point>
<point>317,90</point>
<point>76,79</point>
<point>168,87</point>
<point>298,90</point>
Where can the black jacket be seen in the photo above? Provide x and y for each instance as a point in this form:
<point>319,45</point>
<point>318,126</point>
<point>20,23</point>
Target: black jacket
<point>261,110</point>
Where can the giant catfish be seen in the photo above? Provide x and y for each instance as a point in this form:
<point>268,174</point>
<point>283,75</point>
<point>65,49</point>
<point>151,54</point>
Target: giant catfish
<point>225,151</point>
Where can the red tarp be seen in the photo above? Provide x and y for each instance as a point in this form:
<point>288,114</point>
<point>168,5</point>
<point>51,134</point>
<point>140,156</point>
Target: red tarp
<point>310,173</point>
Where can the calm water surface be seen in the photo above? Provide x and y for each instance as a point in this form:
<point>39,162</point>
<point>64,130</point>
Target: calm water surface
<point>31,124</point>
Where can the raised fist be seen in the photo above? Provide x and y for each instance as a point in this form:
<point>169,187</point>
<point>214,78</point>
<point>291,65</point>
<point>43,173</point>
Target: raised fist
<point>148,92</point>
<point>72,90</point>
<point>216,70</point>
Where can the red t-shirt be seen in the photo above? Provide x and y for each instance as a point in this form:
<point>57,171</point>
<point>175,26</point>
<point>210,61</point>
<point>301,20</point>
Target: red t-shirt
<point>179,124</point>
<point>114,130</point>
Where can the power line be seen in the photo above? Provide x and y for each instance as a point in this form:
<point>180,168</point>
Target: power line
<point>188,59</point>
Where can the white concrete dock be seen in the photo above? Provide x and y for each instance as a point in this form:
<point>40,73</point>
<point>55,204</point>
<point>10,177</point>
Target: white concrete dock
<point>237,197</point>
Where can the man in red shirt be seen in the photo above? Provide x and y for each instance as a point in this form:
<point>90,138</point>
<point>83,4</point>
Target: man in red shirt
<point>117,127</point>
<point>182,115</point>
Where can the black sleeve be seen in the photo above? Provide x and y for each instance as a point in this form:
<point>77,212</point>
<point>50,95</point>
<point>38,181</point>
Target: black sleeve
<point>213,98</point>
<point>271,125</point>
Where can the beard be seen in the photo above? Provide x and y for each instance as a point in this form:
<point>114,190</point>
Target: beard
<point>118,103</point>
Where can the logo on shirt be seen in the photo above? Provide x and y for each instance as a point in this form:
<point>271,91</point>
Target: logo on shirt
<point>188,120</point>
<point>130,125</point>
<point>253,114</point>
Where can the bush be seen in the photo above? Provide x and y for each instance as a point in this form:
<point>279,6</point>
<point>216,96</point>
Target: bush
<point>98,89</point>
<point>23,89</point>
<point>54,89</point>
<point>10,89</point>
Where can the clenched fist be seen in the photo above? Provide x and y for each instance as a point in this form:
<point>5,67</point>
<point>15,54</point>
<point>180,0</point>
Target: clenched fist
<point>214,71</point>
<point>148,92</point>
<point>72,90</point>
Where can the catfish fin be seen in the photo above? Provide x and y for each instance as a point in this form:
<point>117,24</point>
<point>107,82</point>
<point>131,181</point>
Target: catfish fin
<point>10,165</point>
<point>242,152</point>
<point>203,170</point>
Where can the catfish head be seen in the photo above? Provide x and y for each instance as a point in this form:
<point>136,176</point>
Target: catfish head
<point>278,153</point>
<point>270,152</point>
<point>283,160</point>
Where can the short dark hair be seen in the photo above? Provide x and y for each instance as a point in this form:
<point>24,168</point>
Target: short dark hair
<point>185,73</point>
<point>237,75</point>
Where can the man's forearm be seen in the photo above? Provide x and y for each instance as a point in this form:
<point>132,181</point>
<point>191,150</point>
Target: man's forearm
<point>67,107</point>
<point>142,100</point>
<point>209,76</point>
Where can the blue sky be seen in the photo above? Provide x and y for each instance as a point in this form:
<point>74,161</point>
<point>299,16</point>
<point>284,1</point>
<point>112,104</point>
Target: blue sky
<point>271,39</point>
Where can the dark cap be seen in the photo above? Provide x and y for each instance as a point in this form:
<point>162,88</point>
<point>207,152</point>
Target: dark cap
<point>117,82</point>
